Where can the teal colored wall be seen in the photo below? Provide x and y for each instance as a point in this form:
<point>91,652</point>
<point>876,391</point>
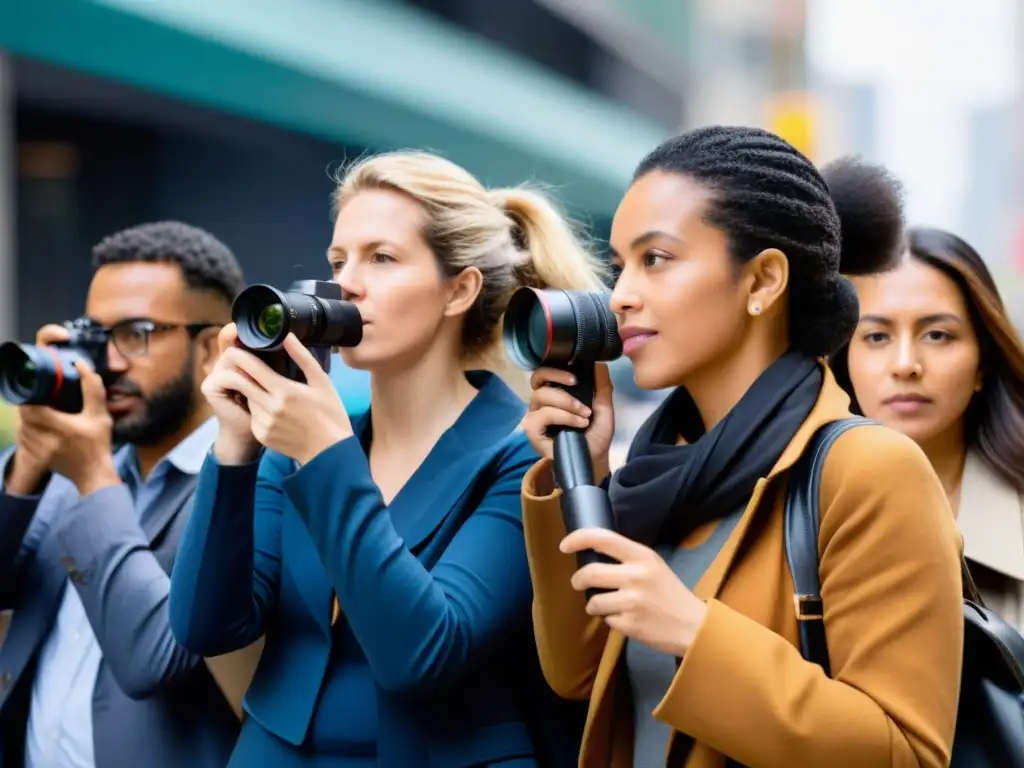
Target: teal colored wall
<point>359,73</point>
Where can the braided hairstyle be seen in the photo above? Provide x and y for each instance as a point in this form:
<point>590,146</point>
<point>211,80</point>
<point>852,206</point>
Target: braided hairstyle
<point>846,219</point>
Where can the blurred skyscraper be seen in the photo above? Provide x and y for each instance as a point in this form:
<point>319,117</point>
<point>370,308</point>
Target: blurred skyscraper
<point>988,209</point>
<point>747,66</point>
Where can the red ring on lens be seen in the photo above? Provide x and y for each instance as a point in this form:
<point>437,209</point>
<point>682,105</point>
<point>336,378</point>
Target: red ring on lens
<point>58,372</point>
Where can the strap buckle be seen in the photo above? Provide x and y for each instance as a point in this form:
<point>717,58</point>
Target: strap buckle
<point>808,607</point>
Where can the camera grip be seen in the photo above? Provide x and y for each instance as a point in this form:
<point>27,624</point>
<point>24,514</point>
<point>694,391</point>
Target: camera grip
<point>281,362</point>
<point>588,556</point>
<point>586,382</point>
<point>588,506</point>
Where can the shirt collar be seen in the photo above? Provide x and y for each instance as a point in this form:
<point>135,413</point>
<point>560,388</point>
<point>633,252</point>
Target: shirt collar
<point>187,456</point>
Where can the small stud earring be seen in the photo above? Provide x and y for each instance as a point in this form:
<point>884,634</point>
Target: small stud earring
<point>755,309</point>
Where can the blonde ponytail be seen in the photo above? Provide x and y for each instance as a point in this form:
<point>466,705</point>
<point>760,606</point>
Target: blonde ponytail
<point>551,254</point>
<point>516,237</point>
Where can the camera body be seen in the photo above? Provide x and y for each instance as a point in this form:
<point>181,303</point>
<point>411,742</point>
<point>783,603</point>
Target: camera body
<point>311,309</point>
<point>46,375</point>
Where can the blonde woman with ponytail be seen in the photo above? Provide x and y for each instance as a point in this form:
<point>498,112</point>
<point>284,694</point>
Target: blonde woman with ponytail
<point>383,556</point>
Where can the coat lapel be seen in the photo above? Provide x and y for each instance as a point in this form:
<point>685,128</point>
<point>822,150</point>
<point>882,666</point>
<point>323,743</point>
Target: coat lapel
<point>454,465</point>
<point>833,403</point>
<point>306,569</point>
<point>172,501</point>
<point>424,503</point>
<point>990,520</point>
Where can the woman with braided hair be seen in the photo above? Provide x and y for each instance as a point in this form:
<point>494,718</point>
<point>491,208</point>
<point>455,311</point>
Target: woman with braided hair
<point>730,246</point>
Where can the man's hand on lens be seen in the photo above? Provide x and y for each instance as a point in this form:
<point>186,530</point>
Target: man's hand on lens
<point>30,467</point>
<point>76,445</point>
<point>51,334</point>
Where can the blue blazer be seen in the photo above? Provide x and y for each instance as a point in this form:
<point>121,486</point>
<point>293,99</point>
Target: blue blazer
<point>435,587</point>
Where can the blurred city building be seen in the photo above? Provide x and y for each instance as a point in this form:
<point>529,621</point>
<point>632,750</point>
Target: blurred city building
<point>230,114</point>
<point>890,88</point>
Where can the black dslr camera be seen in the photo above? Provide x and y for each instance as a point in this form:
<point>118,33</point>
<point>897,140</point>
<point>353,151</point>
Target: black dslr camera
<point>311,309</point>
<point>35,375</point>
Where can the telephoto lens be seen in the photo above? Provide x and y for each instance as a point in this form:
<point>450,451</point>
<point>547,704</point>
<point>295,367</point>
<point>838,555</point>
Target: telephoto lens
<point>311,309</point>
<point>560,329</point>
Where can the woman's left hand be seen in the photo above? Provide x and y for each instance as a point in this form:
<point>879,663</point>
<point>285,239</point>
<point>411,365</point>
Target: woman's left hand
<point>648,602</point>
<point>295,419</point>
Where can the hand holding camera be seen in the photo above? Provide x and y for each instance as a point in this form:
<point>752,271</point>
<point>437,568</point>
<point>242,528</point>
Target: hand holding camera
<point>63,422</point>
<point>552,405</point>
<point>270,386</point>
<point>561,336</point>
<point>222,388</point>
<point>297,419</point>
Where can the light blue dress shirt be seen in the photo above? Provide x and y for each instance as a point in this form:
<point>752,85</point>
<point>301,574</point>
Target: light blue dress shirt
<point>60,715</point>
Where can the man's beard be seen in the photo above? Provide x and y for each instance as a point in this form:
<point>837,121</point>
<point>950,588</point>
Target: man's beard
<point>163,413</point>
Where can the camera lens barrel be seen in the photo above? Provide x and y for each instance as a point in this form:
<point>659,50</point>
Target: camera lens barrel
<point>342,324</point>
<point>265,315</point>
<point>558,328</point>
<point>31,375</point>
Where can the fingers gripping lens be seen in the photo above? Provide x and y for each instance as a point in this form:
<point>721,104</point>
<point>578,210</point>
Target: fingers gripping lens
<point>560,328</point>
<point>46,375</point>
<point>31,375</point>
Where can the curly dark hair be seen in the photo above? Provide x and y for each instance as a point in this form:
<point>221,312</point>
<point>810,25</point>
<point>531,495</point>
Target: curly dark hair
<point>206,263</point>
<point>845,219</point>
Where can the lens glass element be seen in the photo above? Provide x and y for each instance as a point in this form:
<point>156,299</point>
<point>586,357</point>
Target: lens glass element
<point>26,376</point>
<point>271,320</point>
<point>558,328</point>
<point>538,332</point>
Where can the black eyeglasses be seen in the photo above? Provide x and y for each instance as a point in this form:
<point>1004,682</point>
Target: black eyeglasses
<point>131,337</point>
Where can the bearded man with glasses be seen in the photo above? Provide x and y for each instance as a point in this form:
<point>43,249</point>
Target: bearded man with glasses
<point>90,673</point>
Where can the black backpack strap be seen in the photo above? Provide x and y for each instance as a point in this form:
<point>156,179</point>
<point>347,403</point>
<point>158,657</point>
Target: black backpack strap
<point>801,534</point>
<point>802,517</point>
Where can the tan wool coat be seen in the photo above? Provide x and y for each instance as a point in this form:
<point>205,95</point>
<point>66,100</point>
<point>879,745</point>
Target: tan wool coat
<point>890,582</point>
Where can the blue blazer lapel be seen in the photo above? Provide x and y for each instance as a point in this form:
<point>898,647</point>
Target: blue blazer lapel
<point>448,474</point>
<point>455,464</point>
<point>451,470</point>
<point>305,568</point>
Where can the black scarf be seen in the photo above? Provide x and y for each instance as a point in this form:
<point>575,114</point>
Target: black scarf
<point>665,491</point>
